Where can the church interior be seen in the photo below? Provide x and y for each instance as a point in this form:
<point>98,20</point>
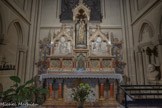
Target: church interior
<point>114,46</point>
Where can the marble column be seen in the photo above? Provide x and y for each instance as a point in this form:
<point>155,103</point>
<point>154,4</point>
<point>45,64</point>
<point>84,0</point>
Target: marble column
<point>97,89</point>
<point>101,97</point>
<point>137,69</point>
<point>51,97</point>
<point>144,65</point>
<point>60,90</point>
<point>65,90</point>
<point>112,97</point>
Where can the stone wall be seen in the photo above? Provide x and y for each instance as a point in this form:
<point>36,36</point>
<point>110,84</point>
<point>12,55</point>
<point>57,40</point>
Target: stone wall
<point>19,22</point>
<point>143,39</point>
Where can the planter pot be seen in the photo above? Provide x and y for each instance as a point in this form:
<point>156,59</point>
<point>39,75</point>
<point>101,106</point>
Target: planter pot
<point>80,105</point>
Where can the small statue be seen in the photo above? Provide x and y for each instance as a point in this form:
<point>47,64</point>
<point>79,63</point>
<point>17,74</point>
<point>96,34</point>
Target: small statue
<point>81,31</point>
<point>153,74</point>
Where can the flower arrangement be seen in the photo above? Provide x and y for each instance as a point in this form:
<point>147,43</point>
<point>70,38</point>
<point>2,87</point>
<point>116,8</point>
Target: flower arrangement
<point>81,93</point>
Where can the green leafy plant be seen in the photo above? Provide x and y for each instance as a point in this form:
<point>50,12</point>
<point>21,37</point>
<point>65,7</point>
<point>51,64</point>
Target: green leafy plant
<point>25,93</point>
<point>80,93</point>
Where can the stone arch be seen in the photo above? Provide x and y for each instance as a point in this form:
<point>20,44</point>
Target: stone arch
<point>98,33</point>
<point>81,10</point>
<point>2,26</point>
<point>146,32</point>
<point>63,32</point>
<point>2,21</point>
<point>15,47</point>
<point>19,30</point>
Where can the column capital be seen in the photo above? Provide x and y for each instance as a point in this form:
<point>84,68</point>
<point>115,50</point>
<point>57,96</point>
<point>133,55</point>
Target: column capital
<point>61,59</point>
<point>111,81</point>
<point>101,59</point>
<point>59,81</point>
<point>102,81</point>
<point>50,81</point>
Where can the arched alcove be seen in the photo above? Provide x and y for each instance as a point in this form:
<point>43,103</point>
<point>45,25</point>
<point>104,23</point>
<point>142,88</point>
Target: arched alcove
<point>147,50</point>
<point>13,51</point>
<point>12,44</point>
<point>146,32</point>
<point>2,25</point>
<point>20,33</point>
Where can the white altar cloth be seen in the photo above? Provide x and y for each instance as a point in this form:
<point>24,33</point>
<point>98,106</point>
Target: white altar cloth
<point>99,76</point>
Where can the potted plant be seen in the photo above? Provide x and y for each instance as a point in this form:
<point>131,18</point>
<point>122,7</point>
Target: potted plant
<point>20,94</point>
<point>80,94</point>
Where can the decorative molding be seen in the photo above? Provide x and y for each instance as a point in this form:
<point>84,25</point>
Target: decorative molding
<point>98,33</point>
<point>17,10</point>
<point>144,26</point>
<point>90,27</point>
<point>102,81</point>
<point>148,8</point>
<point>96,76</point>
<point>81,6</point>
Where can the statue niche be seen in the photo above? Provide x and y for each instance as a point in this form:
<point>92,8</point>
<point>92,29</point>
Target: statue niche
<point>81,16</point>
<point>63,46</point>
<point>81,63</point>
<point>81,33</point>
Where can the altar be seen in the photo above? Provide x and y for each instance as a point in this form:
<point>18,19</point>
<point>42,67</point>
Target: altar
<point>66,82</point>
<point>80,57</point>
